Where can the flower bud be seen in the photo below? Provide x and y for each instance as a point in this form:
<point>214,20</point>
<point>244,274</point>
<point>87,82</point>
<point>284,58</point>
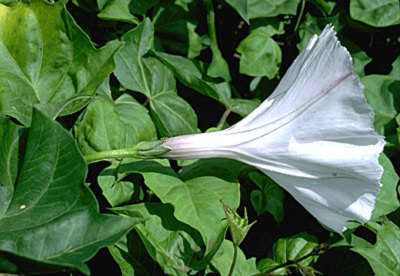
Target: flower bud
<point>239,227</point>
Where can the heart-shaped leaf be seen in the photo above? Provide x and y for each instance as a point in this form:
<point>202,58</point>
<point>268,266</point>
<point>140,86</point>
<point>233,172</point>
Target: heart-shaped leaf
<point>47,214</point>
<point>46,60</point>
<point>171,114</point>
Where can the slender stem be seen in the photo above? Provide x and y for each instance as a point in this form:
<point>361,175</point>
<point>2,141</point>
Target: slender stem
<point>211,23</point>
<point>218,68</point>
<point>303,4</point>
<point>158,14</point>
<point>235,250</point>
<point>224,117</point>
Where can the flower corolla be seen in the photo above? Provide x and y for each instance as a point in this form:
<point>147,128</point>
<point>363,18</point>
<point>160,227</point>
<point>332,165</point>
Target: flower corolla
<point>314,136</point>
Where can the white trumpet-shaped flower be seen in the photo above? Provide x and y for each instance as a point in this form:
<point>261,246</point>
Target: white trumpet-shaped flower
<point>314,136</point>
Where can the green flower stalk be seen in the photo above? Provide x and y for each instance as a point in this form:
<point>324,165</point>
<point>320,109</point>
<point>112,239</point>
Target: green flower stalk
<point>143,150</point>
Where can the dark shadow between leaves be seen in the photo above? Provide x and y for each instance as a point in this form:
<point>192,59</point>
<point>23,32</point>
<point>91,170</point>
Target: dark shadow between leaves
<point>225,169</point>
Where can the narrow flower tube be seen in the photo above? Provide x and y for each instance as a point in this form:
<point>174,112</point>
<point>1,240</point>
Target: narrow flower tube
<point>314,136</point>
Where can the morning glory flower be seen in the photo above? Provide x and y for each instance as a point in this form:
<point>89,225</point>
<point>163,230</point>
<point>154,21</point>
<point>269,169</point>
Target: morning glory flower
<point>314,136</point>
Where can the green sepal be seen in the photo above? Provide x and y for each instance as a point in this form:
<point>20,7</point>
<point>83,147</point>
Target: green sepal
<point>142,150</point>
<point>151,149</point>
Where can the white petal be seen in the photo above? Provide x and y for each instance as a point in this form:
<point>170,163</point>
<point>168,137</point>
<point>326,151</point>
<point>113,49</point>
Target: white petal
<point>315,137</point>
<point>322,65</point>
<point>195,146</point>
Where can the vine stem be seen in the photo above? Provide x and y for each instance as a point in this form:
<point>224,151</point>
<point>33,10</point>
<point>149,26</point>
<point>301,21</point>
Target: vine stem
<point>303,4</point>
<point>211,23</point>
<point>235,250</point>
<point>224,117</point>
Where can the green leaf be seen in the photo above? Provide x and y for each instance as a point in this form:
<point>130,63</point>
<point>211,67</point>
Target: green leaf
<point>223,259</point>
<point>132,257</point>
<point>173,244</point>
<point>241,7</point>
<point>51,217</point>
<point>175,31</point>
<point>224,92</point>
<point>194,41</point>
<point>386,201</point>
<point>269,198</point>
<point>244,106</point>
<point>186,72</point>
<point>380,91</point>
<point>9,149</point>
<point>8,2</point>
<point>395,73</point>
<point>384,256</point>
<point>378,13</point>
<point>118,10</point>
<point>108,125</point>
<point>218,67</point>
<point>270,8</point>
<point>260,54</point>
<point>142,6</point>
<point>133,71</point>
<point>172,115</point>
<point>294,248</point>
<point>104,90</point>
<point>196,200</point>
<point>123,261</point>
<point>47,60</point>
<point>116,192</point>
<point>268,264</point>
<point>290,249</point>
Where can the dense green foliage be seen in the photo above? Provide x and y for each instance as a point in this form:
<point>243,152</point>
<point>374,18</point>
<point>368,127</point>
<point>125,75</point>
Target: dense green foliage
<point>86,76</point>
